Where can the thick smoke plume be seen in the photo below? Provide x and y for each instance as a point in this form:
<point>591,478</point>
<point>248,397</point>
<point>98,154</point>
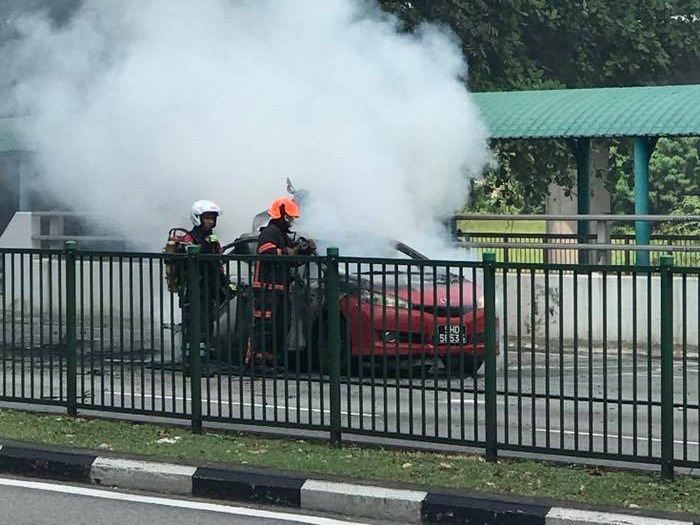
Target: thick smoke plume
<point>142,106</point>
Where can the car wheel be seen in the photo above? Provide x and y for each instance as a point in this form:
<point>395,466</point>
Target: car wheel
<point>320,362</point>
<point>468,368</point>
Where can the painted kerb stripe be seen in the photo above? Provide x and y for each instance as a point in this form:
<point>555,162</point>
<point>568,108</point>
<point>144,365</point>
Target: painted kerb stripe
<point>453,508</point>
<point>401,506</point>
<point>247,486</point>
<point>561,516</point>
<point>398,505</point>
<point>276,516</point>
<point>62,466</point>
<point>164,478</point>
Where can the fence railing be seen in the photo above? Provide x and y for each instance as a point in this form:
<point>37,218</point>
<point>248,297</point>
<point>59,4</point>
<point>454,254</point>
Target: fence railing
<point>600,246</point>
<point>572,360</point>
<point>567,248</point>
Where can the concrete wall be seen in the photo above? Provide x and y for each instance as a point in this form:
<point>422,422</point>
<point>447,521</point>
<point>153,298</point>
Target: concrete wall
<point>125,291</point>
<point>613,309</point>
<point>114,316</point>
<point>21,230</point>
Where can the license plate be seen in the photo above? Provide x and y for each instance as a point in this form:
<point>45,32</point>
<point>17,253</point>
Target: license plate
<point>452,335</point>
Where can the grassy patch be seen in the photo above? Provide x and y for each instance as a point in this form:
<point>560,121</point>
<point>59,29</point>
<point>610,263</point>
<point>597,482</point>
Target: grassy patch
<point>590,485</point>
<point>537,227</point>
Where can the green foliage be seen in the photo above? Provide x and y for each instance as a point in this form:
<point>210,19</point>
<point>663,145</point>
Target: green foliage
<point>674,182</point>
<point>493,194</point>
<point>535,44</point>
<point>520,180</point>
<point>538,44</point>
<point>674,176</point>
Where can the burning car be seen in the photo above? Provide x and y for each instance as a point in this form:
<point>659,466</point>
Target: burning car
<point>405,309</point>
<point>399,312</point>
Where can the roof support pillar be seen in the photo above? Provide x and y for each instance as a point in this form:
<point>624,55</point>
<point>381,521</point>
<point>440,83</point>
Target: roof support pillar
<point>582,153</point>
<point>643,148</point>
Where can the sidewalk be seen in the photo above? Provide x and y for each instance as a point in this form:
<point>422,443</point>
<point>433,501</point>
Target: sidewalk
<point>400,503</point>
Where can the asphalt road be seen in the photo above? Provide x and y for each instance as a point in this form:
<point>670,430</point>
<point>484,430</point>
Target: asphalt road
<point>585,403</point>
<point>24,502</point>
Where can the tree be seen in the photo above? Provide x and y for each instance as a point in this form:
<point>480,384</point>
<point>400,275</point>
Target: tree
<point>491,33</point>
<point>524,44</point>
<point>593,43</point>
<point>674,176</point>
<point>538,44</point>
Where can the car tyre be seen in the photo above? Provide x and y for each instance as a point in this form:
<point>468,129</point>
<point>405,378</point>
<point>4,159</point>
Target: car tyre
<point>349,365</point>
<point>469,368</point>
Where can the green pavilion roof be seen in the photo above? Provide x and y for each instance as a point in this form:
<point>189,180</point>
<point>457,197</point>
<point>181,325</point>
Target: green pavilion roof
<point>658,111</point>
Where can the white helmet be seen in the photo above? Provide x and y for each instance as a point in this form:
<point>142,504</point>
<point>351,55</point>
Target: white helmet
<point>200,207</point>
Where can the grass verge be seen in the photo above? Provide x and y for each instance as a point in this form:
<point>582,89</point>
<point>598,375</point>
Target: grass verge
<point>503,226</point>
<point>588,485</point>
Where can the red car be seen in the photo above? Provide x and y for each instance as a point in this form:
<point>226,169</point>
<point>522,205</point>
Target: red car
<point>410,310</point>
<point>413,311</point>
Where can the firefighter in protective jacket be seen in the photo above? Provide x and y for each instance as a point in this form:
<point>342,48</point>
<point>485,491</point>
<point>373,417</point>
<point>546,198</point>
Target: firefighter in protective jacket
<point>213,282</point>
<point>271,280</point>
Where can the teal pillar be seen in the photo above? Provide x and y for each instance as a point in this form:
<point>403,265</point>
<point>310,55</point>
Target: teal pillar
<point>642,153</point>
<point>582,152</point>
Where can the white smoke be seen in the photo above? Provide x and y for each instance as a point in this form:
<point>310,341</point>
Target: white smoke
<point>141,107</point>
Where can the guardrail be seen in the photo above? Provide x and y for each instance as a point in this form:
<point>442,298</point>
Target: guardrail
<point>601,247</point>
<point>559,248</point>
<point>569,360</point>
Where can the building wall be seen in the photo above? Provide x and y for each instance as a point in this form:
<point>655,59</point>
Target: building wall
<point>597,311</point>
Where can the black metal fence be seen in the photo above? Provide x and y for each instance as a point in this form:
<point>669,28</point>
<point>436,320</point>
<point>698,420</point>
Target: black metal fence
<point>574,360</point>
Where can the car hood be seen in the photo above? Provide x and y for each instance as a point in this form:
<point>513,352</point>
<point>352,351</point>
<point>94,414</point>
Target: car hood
<point>453,292</point>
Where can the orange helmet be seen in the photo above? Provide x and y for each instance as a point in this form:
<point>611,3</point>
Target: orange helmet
<point>283,206</point>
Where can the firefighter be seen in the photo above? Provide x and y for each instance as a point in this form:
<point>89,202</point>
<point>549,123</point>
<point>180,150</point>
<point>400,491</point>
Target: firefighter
<point>271,281</point>
<point>214,285</point>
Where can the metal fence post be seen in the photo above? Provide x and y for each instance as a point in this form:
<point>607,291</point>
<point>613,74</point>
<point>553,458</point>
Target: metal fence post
<point>666,367</point>
<point>71,336</point>
<point>333,347</point>
<point>489,260</point>
<point>195,331</point>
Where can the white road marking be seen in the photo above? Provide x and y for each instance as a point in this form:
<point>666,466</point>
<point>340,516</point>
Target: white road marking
<point>612,370</point>
<point>613,436</point>
<point>270,406</point>
<point>563,515</point>
<point>182,504</point>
